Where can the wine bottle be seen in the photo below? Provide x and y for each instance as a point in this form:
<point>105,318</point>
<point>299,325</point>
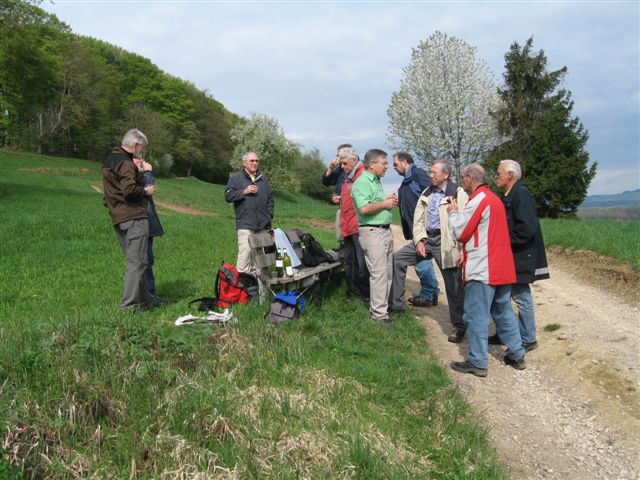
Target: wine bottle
<point>287,264</point>
<point>279,263</point>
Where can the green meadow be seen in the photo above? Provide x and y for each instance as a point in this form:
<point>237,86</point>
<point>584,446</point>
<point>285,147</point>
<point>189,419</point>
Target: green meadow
<point>616,239</point>
<point>88,391</point>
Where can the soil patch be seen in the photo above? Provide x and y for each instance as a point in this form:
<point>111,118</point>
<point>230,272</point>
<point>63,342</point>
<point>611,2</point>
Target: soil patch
<point>57,170</point>
<point>171,206</point>
<point>606,273</point>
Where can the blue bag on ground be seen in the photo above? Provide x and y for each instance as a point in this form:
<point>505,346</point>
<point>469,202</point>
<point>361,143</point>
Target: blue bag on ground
<point>285,307</point>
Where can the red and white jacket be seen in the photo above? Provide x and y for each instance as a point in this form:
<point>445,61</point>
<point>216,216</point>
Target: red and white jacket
<point>482,229</point>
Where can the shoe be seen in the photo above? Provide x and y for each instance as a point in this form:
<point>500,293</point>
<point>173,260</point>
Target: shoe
<point>420,301</point>
<point>393,310</point>
<point>468,367</point>
<point>517,364</point>
<point>495,340</point>
<point>456,336</point>
<point>383,321</point>
<point>528,346</point>
<point>434,300</point>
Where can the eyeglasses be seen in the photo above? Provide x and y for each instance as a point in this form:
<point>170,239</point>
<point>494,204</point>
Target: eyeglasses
<point>498,173</point>
<point>253,160</point>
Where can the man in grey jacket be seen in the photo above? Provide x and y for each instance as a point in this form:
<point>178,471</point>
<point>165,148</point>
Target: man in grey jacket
<point>252,198</point>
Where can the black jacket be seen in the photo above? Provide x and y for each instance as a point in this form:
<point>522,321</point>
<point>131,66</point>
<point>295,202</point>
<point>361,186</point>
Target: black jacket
<point>409,198</point>
<point>253,212</point>
<point>526,235</point>
<point>336,178</point>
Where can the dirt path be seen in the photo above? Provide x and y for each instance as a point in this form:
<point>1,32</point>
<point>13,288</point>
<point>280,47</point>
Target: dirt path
<point>574,413</point>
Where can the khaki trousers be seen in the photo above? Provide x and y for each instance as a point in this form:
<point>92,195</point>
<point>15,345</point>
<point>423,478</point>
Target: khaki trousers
<point>245,261</point>
<point>377,244</point>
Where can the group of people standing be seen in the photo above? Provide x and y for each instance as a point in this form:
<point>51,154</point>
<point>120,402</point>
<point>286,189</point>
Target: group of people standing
<point>488,250</point>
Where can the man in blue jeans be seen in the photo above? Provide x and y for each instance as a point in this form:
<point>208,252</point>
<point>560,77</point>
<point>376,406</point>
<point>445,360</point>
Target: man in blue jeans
<point>527,246</point>
<point>414,182</point>
<point>488,271</point>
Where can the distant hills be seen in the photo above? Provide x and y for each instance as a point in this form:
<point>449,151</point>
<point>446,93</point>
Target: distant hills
<point>620,206</point>
<point>626,199</point>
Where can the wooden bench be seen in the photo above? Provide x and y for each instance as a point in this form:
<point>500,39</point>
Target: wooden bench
<point>263,249</point>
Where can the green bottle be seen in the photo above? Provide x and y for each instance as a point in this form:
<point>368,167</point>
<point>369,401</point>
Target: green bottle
<point>288,268</point>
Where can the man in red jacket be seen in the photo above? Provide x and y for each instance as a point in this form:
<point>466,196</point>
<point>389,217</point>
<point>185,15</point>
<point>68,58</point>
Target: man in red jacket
<point>488,272</point>
<point>355,267</point>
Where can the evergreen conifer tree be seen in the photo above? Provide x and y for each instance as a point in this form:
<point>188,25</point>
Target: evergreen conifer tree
<point>541,134</point>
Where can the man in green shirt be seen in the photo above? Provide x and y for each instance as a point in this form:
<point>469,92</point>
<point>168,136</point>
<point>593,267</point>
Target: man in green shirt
<point>373,208</point>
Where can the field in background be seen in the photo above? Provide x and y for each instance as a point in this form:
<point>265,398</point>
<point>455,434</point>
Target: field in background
<point>87,390</point>
<point>619,240</point>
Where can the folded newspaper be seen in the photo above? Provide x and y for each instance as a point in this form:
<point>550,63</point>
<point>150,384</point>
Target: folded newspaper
<point>211,317</point>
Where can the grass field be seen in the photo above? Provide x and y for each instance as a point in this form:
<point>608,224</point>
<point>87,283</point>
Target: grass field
<point>88,391</point>
<point>619,240</point>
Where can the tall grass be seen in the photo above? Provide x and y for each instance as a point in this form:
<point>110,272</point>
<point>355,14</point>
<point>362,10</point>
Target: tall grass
<point>620,240</point>
<point>89,391</point>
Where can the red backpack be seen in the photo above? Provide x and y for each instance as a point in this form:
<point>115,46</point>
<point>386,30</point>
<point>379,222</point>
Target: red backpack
<point>231,287</point>
<point>229,290</point>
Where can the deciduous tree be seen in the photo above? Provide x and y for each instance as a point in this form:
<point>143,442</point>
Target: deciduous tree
<point>278,155</point>
<point>442,109</point>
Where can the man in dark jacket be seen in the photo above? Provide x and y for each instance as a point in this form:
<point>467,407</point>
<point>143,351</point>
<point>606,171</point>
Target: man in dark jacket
<point>527,246</point>
<point>414,182</point>
<point>126,198</point>
<point>155,227</point>
<point>252,199</point>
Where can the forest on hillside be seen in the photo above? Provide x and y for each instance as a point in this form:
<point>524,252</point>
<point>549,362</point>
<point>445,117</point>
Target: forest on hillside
<point>74,96</point>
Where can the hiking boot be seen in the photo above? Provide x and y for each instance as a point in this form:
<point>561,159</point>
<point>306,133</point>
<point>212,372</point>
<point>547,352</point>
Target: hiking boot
<point>468,367</point>
<point>528,346</point>
<point>517,364</point>
<point>456,336</point>
<point>420,301</point>
<point>495,340</point>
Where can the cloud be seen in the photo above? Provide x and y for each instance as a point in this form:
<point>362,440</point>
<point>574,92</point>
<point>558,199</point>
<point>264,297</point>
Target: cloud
<point>326,71</point>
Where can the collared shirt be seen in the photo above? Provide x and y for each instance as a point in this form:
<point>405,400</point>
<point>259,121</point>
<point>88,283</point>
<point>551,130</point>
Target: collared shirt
<point>368,189</point>
<point>433,214</point>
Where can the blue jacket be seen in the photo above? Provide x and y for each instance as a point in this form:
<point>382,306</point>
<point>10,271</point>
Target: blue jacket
<point>413,184</point>
<point>155,227</point>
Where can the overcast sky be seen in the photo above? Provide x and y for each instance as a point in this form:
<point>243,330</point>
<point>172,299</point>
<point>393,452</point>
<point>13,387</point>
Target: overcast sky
<point>326,70</point>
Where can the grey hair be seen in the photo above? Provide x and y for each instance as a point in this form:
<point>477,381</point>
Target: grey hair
<point>244,157</point>
<point>475,172</point>
<point>134,136</point>
<point>445,165</point>
<point>513,167</point>
<point>372,156</point>
<point>347,152</point>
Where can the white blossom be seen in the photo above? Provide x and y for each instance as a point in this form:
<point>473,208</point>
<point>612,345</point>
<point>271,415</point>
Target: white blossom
<point>442,109</point>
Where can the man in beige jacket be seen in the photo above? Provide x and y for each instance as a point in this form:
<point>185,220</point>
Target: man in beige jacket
<point>431,236</point>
